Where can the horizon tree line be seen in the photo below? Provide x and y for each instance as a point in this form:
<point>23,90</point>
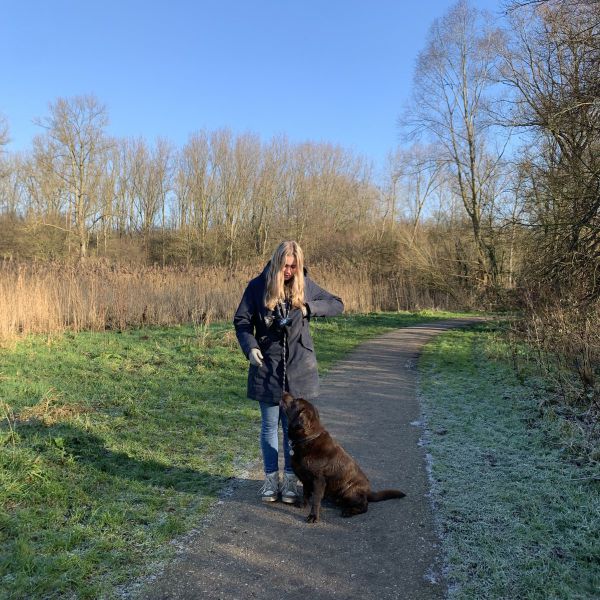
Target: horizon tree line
<point>501,144</point>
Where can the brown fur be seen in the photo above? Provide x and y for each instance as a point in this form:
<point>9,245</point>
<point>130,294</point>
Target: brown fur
<point>323,466</point>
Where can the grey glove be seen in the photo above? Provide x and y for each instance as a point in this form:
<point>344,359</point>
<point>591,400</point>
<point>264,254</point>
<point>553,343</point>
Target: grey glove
<point>255,357</point>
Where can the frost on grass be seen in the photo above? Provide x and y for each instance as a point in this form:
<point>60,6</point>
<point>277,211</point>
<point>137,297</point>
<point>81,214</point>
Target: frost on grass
<point>515,516</point>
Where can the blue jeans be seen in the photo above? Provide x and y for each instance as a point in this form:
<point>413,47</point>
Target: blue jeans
<point>272,415</point>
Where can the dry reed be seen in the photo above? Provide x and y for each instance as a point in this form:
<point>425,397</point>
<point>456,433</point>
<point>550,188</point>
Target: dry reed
<point>55,297</point>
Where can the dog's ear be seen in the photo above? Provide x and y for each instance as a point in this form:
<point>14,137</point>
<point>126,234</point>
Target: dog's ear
<point>310,416</point>
<point>305,420</point>
<point>311,409</point>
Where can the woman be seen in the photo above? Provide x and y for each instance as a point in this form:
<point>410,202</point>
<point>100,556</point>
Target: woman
<point>271,324</point>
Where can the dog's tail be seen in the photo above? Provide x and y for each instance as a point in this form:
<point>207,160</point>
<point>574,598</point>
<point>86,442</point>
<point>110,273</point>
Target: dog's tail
<point>384,495</point>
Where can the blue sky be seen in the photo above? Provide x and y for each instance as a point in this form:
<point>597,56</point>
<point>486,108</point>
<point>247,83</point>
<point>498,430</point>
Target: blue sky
<point>336,71</point>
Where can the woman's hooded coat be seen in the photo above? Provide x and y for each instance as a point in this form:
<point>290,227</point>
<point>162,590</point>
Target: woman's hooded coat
<point>254,331</point>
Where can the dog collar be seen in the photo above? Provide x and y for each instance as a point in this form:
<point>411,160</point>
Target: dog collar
<point>301,442</point>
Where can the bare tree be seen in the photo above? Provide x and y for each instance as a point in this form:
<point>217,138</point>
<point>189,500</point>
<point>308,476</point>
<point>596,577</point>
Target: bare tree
<point>151,171</point>
<point>343,188</point>
<point>108,195</point>
<point>553,65</point>
<point>194,182</point>
<point>416,177</point>
<point>453,87</point>
<point>73,148</point>
<point>5,168</point>
<point>4,133</point>
<point>11,190</point>
<point>235,162</point>
<point>269,193</point>
<point>301,194</point>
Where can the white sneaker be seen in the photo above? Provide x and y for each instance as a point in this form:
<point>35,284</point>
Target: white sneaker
<point>270,488</point>
<point>289,489</point>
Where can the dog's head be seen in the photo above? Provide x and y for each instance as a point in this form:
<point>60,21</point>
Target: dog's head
<point>302,416</point>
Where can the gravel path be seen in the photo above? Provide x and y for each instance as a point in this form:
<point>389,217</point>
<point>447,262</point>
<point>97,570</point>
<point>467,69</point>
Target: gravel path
<point>248,549</point>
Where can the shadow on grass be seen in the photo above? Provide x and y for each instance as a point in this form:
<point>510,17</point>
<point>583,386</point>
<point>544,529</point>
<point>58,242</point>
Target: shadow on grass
<point>74,446</point>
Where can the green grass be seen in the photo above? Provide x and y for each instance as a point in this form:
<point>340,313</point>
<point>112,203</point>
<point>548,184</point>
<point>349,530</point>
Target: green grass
<point>518,512</point>
<point>113,444</point>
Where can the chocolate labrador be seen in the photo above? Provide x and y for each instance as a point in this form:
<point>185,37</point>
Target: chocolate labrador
<point>323,466</point>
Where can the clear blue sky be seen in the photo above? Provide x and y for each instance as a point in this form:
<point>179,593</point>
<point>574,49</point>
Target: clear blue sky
<point>331,70</point>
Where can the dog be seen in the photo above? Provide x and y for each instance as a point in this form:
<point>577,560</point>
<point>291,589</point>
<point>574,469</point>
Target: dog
<point>323,466</point>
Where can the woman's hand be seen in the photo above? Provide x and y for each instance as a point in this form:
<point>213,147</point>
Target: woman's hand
<point>255,357</point>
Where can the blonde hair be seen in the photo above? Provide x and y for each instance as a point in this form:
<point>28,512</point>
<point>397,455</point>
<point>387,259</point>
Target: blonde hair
<point>276,290</point>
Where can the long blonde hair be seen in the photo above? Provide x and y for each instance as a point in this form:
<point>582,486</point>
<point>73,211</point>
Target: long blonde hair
<point>276,290</point>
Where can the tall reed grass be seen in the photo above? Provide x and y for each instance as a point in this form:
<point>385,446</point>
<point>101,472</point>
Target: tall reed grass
<point>55,297</point>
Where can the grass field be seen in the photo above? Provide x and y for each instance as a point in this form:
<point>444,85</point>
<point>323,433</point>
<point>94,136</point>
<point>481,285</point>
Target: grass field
<point>114,444</point>
<point>518,507</point>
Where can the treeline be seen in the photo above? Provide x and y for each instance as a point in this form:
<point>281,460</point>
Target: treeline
<point>492,200</point>
<point>219,199</point>
<point>226,200</point>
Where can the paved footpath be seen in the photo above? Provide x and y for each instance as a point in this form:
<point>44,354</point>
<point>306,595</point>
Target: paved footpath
<point>248,549</point>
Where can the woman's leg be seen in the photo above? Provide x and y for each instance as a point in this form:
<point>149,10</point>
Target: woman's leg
<point>268,436</point>
<point>289,489</point>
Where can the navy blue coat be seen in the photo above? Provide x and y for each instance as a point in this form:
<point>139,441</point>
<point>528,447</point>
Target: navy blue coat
<point>266,383</point>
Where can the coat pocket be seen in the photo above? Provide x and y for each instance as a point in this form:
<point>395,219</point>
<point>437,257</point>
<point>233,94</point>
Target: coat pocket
<point>270,347</point>
<point>306,342</point>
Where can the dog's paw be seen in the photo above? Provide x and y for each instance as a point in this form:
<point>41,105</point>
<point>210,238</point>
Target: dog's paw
<point>312,518</point>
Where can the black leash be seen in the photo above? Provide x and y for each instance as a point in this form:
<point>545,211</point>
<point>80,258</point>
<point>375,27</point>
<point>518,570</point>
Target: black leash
<point>284,309</point>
